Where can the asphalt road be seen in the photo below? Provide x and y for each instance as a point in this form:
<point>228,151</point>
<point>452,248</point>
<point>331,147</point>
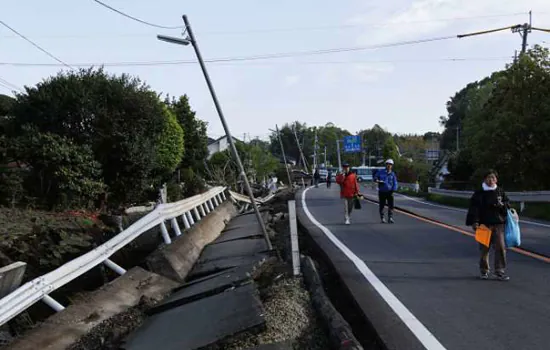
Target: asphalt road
<point>535,234</point>
<point>432,271</point>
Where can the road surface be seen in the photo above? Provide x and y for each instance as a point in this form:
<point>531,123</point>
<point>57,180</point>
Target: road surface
<point>535,234</point>
<point>417,282</point>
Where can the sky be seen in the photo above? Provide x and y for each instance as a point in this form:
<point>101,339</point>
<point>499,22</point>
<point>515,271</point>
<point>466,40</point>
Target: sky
<point>403,88</point>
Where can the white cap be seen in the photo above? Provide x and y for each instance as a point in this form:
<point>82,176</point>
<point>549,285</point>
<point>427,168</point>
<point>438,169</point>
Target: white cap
<point>389,161</point>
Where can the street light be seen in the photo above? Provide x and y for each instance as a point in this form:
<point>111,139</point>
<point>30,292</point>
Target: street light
<point>172,40</point>
<point>191,40</point>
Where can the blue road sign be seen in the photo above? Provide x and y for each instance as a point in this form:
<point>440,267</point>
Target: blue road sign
<point>352,144</point>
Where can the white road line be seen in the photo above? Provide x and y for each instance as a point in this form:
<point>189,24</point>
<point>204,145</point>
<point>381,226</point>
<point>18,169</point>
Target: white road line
<point>464,211</point>
<point>427,339</point>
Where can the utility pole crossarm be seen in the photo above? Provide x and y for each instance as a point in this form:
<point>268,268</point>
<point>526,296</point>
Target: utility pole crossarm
<point>460,36</point>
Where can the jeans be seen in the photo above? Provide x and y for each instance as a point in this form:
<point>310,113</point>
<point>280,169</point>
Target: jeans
<point>383,199</point>
<point>348,207</point>
<point>499,246</point>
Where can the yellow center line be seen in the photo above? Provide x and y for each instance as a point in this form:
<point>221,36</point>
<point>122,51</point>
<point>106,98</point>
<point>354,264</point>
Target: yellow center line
<point>464,232</point>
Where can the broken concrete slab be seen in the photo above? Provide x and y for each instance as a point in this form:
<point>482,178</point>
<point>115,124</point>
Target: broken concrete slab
<point>177,259</point>
<point>233,248</point>
<point>274,346</point>
<point>215,266</point>
<point>206,287</point>
<point>241,232</point>
<point>201,323</point>
<point>65,328</point>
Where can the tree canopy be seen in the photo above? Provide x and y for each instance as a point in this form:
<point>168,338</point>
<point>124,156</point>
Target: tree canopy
<point>505,124</point>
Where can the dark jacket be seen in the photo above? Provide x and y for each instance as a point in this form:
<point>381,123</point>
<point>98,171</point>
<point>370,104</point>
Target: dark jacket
<point>488,207</point>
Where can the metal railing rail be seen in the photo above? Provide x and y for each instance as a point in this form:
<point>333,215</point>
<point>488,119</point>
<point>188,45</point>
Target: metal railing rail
<point>190,210</point>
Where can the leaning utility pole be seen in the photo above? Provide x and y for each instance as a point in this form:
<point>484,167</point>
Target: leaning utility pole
<point>284,156</point>
<point>315,151</point>
<point>339,158</point>
<point>191,39</point>
<point>300,148</point>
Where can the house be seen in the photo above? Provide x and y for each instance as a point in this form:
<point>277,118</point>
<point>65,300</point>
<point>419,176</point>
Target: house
<point>218,145</point>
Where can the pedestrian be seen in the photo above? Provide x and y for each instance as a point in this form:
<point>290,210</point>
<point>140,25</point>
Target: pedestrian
<point>316,177</point>
<point>387,185</point>
<point>489,206</point>
<point>329,178</point>
<point>349,189</point>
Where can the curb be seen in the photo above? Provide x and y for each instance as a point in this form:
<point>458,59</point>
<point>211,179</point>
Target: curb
<point>339,331</point>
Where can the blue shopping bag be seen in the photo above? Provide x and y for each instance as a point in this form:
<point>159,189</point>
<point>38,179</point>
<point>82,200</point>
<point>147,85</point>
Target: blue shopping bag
<point>512,234</point>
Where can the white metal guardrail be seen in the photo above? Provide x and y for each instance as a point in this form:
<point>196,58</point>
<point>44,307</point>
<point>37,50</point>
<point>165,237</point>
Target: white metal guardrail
<point>520,197</point>
<point>411,187</point>
<point>190,210</point>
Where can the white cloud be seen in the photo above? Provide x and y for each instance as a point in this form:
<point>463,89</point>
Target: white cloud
<point>291,80</point>
<point>406,20</point>
<point>371,72</point>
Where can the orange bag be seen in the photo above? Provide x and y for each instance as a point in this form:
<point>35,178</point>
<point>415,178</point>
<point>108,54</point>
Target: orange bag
<point>483,235</point>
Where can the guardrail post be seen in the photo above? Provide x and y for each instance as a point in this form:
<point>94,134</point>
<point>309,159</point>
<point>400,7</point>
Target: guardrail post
<point>521,207</point>
<point>215,201</point>
<point>51,302</point>
<point>165,235</point>
<point>185,221</point>
<point>219,198</point>
<point>190,217</point>
<point>115,267</point>
<point>201,209</point>
<point>175,226</point>
<point>294,237</point>
<point>197,215</point>
<point>224,196</point>
<point>211,204</point>
<point>206,207</point>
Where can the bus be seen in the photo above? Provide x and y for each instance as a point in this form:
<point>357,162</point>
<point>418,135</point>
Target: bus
<point>365,173</point>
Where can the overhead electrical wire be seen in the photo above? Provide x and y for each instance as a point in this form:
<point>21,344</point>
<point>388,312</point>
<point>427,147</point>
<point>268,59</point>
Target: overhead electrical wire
<point>34,44</point>
<point>9,85</point>
<point>137,19</point>
<point>234,63</point>
<point>295,29</point>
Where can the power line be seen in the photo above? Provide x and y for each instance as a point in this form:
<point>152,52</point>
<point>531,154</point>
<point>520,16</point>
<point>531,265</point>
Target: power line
<point>137,19</point>
<point>232,63</point>
<point>316,52</point>
<point>7,84</point>
<point>34,44</point>
<point>271,30</point>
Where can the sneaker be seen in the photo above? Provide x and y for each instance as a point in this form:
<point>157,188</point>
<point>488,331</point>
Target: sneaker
<point>348,222</point>
<point>391,221</point>
<point>383,220</point>
<point>502,277</point>
<point>484,275</point>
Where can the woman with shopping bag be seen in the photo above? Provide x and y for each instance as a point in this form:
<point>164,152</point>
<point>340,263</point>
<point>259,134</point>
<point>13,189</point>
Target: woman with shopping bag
<point>487,215</point>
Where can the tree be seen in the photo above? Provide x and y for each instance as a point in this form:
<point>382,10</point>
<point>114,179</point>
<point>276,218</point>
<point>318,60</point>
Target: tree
<point>509,128</point>
<point>170,146</point>
<point>6,105</point>
<point>196,140</point>
<point>61,173</point>
<point>119,117</point>
<point>389,150</point>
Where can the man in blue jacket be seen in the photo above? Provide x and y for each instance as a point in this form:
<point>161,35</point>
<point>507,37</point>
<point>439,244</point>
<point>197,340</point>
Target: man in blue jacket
<point>387,185</point>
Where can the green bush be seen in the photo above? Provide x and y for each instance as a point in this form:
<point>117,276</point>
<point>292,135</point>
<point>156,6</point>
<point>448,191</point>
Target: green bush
<point>61,173</point>
<point>193,184</point>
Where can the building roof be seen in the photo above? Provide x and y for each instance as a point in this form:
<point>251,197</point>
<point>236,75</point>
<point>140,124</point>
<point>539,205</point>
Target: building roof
<point>211,140</point>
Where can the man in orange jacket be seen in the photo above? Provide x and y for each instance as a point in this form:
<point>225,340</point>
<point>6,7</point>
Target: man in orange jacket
<point>349,189</point>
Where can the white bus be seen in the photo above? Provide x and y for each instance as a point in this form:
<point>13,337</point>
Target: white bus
<point>365,173</point>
